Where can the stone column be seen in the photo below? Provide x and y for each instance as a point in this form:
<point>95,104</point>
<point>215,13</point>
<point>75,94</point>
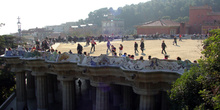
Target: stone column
<point>55,84</point>
<point>68,94</point>
<point>116,96</point>
<point>146,102</point>
<point>30,85</point>
<point>42,90</point>
<point>21,96</point>
<point>164,101</point>
<point>102,97</point>
<point>93,95</point>
<point>51,95</point>
<point>127,98</point>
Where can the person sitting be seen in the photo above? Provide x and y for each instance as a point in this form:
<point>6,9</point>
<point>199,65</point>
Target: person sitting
<point>85,53</point>
<point>166,57</point>
<point>70,52</point>
<point>178,58</point>
<point>149,57</point>
<point>141,58</point>
<point>132,57</point>
<point>194,61</point>
<point>125,54</point>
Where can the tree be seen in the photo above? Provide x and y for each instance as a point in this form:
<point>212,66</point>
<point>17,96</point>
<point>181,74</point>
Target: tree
<point>2,45</point>
<point>200,87</point>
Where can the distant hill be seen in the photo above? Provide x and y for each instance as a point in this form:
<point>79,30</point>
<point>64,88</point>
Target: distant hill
<point>149,11</point>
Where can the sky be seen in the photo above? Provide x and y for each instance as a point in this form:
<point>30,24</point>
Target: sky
<point>41,13</point>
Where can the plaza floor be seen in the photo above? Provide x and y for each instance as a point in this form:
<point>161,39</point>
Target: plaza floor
<point>186,49</point>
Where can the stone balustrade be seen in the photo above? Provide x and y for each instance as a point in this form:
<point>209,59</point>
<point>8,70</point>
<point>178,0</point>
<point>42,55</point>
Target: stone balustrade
<point>147,77</point>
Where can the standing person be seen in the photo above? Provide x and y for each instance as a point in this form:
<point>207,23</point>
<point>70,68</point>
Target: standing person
<point>79,49</point>
<point>120,49</point>
<point>108,46</point>
<point>113,50</point>
<point>93,43</point>
<point>163,47</point>
<point>174,40</point>
<point>142,46</point>
<point>135,47</point>
<point>142,39</point>
<point>180,37</point>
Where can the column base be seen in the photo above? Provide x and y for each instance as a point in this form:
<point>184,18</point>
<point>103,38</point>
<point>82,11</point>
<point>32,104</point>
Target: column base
<point>20,105</point>
<point>50,98</point>
<point>42,109</point>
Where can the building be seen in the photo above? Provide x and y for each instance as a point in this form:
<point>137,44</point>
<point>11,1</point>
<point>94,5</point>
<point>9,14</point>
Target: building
<point>112,26</point>
<point>201,20</point>
<point>158,27</point>
<point>85,30</point>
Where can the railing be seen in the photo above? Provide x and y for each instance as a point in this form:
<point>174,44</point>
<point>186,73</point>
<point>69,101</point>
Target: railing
<point>8,101</point>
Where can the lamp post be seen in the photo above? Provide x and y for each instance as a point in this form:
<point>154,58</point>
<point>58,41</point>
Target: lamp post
<point>19,29</point>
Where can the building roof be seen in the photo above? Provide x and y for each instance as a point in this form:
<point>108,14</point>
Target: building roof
<point>200,7</point>
<point>161,22</point>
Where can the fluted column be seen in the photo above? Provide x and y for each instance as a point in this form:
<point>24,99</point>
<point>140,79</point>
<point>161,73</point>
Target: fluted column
<point>30,85</point>
<point>93,98</point>
<point>146,102</point>
<point>51,95</point>
<point>102,97</point>
<point>68,95</point>
<point>164,101</point>
<point>42,91</point>
<point>42,96</point>
<point>127,98</point>
<point>55,83</point>
<point>116,96</point>
<point>21,96</point>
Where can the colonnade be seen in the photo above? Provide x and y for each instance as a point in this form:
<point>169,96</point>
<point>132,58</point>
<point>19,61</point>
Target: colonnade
<point>122,87</point>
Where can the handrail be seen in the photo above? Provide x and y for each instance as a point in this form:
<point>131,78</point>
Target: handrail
<point>8,101</point>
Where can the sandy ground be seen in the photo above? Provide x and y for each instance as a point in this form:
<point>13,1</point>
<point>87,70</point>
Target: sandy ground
<point>186,49</point>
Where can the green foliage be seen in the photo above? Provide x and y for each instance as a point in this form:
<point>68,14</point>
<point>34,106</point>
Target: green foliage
<point>199,88</point>
<point>2,44</point>
<point>7,83</point>
<point>184,92</point>
<point>182,19</point>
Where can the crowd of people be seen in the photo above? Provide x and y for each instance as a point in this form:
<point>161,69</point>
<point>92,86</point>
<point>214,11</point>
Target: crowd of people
<point>45,45</point>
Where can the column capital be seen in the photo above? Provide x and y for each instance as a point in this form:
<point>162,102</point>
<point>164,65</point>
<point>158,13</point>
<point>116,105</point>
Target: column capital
<point>99,84</point>
<point>66,78</point>
<point>37,73</point>
<point>146,88</point>
<point>17,68</point>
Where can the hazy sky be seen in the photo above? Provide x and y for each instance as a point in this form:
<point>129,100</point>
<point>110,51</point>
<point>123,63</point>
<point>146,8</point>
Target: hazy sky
<point>40,13</point>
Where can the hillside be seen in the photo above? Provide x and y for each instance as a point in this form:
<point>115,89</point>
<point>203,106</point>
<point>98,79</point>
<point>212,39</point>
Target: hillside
<point>149,11</point>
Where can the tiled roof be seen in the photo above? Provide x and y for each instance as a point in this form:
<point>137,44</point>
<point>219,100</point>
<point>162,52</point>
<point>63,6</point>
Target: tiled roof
<point>162,22</point>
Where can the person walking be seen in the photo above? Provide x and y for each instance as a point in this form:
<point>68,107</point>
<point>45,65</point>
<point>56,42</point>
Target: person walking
<point>142,46</point>
<point>135,47</point>
<point>93,43</point>
<point>79,49</point>
<point>174,42</point>
<point>108,46</point>
<point>163,47</point>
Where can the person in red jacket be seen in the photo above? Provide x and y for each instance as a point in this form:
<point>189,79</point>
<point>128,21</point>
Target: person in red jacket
<point>180,37</point>
<point>93,43</point>
<point>120,49</point>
